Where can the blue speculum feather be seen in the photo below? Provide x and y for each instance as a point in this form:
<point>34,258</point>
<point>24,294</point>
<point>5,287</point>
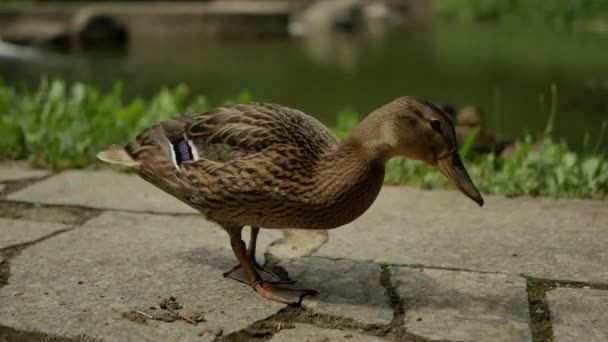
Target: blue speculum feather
<point>182,151</point>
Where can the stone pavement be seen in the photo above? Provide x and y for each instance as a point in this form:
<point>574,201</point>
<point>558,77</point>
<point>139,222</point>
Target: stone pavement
<point>418,266</point>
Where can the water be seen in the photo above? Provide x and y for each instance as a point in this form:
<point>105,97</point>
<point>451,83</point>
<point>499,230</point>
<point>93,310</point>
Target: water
<point>507,72</point>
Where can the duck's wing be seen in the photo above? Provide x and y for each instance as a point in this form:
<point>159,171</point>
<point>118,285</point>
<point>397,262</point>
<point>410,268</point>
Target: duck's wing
<point>256,140</point>
<point>230,132</point>
<point>241,130</point>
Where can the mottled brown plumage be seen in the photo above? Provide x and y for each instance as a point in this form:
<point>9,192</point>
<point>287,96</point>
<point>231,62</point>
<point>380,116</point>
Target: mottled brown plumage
<point>270,166</point>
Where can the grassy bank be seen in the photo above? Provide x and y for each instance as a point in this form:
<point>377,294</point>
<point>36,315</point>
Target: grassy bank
<point>63,126</point>
<point>561,14</point>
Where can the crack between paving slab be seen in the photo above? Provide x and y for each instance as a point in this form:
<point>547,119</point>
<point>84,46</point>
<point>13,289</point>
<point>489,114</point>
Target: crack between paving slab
<point>445,268</point>
<point>538,309</point>
<point>417,266</point>
<point>573,284</point>
<point>394,300</point>
<point>84,207</point>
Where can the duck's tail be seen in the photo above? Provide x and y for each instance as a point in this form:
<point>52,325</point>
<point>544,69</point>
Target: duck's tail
<point>117,155</point>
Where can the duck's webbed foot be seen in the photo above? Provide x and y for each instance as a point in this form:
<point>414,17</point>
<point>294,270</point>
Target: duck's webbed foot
<point>281,293</point>
<point>237,273</point>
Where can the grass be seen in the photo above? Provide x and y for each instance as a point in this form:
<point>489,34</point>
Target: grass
<point>63,126</point>
<point>542,167</point>
<point>560,14</point>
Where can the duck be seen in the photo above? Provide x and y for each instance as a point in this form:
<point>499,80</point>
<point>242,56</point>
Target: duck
<point>269,166</point>
<point>471,117</point>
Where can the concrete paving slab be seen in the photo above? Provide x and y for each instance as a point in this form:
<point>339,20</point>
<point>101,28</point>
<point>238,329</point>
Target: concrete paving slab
<point>81,282</point>
<point>16,232</point>
<point>297,243</point>
<point>463,306</point>
<point>310,333</point>
<point>579,314</point>
<point>15,171</point>
<point>347,288</point>
<point>104,189</point>
<point>535,236</point>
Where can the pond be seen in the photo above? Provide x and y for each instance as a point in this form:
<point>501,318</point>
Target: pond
<point>509,73</point>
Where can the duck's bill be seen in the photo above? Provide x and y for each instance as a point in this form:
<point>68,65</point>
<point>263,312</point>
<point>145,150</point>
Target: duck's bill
<point>451,166</point>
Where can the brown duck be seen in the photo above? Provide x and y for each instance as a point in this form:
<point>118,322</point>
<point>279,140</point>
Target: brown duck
<point>265,165</point>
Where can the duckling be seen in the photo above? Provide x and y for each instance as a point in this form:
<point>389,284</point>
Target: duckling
<point>471,117</point>
<point>266,165</point>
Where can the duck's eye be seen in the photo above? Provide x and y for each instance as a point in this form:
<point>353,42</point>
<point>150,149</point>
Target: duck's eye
<point>436,124</point>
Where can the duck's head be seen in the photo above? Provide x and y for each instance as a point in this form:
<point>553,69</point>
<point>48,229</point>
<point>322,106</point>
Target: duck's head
<point>414,128</point>
<point>470,116</point>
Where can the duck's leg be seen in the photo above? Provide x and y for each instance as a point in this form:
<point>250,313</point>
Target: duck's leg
<point>237,273</point>
<point>251,250</point>
<point>279,293</point>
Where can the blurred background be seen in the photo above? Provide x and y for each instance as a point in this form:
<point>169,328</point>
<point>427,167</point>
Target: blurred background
<point>517,61</point>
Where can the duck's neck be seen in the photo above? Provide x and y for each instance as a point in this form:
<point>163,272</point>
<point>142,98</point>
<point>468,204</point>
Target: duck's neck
<point>354,169</point>
<point>348,181</point>
<point>371,139</point>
